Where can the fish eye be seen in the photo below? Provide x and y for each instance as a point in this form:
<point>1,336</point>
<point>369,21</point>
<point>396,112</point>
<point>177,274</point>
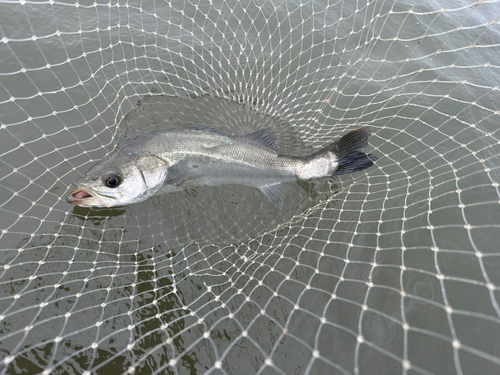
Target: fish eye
<point>112,180</point>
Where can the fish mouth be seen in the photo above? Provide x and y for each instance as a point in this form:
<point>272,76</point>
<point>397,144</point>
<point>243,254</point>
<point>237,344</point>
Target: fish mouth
<point>83,198</point>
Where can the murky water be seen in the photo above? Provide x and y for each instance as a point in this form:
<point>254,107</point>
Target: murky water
<point>390,271</point>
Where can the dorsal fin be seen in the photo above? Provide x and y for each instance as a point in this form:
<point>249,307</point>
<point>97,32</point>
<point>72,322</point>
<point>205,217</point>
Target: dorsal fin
<point>265,137</point>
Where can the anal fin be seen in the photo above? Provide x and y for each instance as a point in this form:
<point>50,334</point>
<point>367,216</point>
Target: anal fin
<point>274,193</point>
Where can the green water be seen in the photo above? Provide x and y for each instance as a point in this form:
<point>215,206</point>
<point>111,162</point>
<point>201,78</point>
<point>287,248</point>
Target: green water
<point>390,271</point>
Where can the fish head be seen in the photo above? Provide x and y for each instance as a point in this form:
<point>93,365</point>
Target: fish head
<point>122,178</point>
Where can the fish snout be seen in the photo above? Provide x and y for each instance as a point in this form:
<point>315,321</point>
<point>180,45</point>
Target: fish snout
<point>80,197</point>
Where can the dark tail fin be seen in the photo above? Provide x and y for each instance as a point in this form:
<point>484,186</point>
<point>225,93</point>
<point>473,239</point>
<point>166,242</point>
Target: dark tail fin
<point>350,151</point>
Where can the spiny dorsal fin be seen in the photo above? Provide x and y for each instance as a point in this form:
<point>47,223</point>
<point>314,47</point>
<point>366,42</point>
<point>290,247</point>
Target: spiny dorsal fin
<point>265,137</point>
<point>274,193</point>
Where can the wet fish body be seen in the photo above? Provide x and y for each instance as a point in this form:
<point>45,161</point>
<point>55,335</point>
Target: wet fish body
<point>174,159</point>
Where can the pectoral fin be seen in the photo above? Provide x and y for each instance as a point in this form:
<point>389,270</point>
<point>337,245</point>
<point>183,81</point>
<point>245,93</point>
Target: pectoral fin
<point>182,172</point>
<point>274,193</point>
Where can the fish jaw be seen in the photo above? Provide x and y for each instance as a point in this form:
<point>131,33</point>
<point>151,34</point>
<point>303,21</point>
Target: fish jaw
<point>81,197</point>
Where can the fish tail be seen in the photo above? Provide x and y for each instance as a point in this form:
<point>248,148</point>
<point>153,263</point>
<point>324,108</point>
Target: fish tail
<point>350,151</point>
<point>345,155</point>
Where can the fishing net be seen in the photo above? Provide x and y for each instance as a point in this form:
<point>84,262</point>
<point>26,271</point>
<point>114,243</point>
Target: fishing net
<point>391,270</point>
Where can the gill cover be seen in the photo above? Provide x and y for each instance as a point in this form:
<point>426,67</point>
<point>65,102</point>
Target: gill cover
<point>122,178</point>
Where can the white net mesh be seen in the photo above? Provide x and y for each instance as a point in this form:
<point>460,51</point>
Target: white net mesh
<point>392,270</point>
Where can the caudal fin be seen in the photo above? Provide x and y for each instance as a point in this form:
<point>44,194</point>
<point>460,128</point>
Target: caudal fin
<point>349,152</point>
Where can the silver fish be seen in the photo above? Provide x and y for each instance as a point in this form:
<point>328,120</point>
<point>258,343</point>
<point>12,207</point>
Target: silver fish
<point>175,159</point>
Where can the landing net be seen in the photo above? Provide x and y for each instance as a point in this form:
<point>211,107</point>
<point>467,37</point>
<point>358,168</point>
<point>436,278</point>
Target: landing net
<point>391,270</point>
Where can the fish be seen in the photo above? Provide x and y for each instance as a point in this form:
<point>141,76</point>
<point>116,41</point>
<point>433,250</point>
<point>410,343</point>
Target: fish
<point>179,159</point>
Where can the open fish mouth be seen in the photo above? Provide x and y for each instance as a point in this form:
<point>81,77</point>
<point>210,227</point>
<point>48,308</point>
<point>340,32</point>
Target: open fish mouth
<point>79,194</point>
<point>83,198</point>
